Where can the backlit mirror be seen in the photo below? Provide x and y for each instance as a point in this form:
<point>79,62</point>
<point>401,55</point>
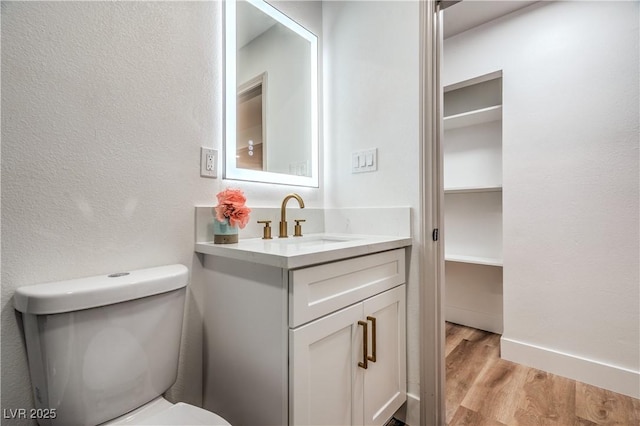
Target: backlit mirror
<point>271,111</point>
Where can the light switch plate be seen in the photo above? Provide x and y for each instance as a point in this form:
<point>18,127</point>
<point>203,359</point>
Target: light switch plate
<point>364,161</point>
<point>208,162</point>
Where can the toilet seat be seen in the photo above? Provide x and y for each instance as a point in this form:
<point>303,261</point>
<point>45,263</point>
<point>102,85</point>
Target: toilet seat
<point>183,414</point>
<point>161,412</point>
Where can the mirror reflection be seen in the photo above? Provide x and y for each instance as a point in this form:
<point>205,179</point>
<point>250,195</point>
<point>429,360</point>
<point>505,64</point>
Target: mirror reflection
<point>250,128</point>
<point>271,128</point>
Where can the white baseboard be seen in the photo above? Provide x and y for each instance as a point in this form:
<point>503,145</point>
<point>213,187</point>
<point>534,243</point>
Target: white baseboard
<point>479,320</point>
<point>606,376</point>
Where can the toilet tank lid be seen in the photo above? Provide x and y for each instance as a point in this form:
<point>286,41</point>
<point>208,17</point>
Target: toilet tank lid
<point>101,290</point>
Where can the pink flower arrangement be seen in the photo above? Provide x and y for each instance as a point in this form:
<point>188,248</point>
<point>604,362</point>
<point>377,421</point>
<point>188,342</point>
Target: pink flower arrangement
<point>231,206</point>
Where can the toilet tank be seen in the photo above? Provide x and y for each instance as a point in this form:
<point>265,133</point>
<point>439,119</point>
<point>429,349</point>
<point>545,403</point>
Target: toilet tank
<point>102,346</point>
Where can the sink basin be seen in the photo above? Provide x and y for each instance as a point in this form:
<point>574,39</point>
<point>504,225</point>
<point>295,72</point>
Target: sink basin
<point>311,240</point>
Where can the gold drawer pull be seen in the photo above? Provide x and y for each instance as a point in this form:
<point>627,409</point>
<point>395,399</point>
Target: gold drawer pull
<point>372,358</point>
<point>365,333</point>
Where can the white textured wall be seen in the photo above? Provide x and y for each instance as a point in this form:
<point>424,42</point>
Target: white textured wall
<point>104,109</point>
<point>571,181</point>
<point>371,82</point>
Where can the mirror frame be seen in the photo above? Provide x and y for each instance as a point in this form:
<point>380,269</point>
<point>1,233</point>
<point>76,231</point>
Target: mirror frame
<point>230,171</point>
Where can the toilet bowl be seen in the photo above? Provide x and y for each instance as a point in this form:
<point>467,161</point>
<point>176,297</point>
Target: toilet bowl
<point>102,350</point>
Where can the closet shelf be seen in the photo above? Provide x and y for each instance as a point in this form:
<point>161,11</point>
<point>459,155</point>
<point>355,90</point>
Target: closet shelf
<point>462,189</point>
<point>476,260</point>
<point>470,118</point>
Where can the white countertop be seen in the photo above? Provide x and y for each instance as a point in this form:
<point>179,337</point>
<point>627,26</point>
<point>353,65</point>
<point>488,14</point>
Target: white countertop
<point>298,252</point>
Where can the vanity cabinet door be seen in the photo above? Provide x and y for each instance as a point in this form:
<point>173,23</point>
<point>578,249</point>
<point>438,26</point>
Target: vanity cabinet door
<point>325,382</point>
<point>327,386</point>
<point>385,381</point>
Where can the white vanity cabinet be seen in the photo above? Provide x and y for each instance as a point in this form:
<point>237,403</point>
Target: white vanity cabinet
<point>286,346</point>
<point>329,382</point>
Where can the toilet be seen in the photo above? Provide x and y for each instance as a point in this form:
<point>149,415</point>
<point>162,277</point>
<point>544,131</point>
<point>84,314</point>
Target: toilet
<point>102,350</point>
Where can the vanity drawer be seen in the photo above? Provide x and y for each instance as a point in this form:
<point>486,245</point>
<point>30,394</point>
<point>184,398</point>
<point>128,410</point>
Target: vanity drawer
<point>320,290</point>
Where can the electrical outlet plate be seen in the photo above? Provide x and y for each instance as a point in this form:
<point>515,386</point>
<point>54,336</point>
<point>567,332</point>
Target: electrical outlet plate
<point>208,162</point>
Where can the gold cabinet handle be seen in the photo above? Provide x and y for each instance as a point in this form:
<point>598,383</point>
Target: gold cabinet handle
<point>372,358</point>
<point>365,334</point>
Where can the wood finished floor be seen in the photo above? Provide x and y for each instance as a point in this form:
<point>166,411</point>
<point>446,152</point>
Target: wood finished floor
<point>483,390</point>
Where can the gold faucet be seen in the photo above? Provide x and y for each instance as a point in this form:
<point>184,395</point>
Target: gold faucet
<point>283,213</point>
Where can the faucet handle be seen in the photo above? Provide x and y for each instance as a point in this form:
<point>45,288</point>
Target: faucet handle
<point>297,230</point>
<point>266,232</point>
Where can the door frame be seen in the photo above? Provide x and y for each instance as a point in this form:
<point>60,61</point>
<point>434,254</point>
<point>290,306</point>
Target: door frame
<point>432,372</point>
